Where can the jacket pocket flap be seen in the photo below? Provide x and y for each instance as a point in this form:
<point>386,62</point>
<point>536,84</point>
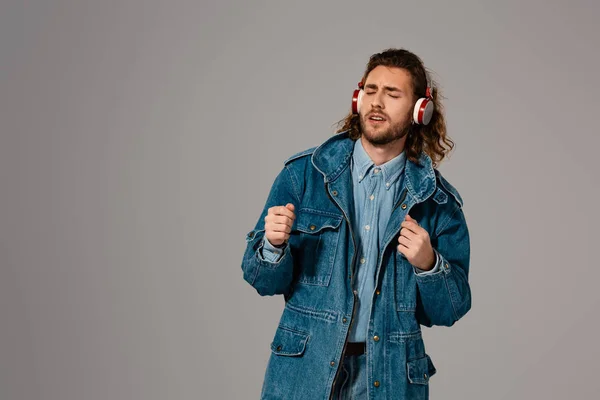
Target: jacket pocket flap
<point>420,370</point>
<point>311,221</point>
<point>288,342</point>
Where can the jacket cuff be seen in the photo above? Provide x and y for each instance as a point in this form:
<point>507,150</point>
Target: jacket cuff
<point>268,252</point>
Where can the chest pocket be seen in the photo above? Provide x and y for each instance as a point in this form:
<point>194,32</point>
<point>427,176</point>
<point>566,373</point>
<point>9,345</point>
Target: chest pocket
<point>318,235</point>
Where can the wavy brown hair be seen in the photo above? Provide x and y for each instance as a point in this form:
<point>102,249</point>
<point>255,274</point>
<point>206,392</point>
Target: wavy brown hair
<point>431,138</point>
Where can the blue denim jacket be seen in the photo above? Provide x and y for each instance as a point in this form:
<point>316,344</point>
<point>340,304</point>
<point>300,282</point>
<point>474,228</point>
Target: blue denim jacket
<point>376,190</point>
<point>317,275</point>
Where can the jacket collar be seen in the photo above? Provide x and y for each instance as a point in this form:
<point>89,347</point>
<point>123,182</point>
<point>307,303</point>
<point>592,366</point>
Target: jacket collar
<point>333,156</point>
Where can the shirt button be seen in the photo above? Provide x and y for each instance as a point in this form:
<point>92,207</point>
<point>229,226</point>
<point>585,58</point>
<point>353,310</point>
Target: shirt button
<point>371,197</point>
<point>376,383</point>
<point>376,170</point>
<point>362,260</point>
<point>387,184</point>
<point>367,227</point>
<point>360,177</point>
<point>376,338</point>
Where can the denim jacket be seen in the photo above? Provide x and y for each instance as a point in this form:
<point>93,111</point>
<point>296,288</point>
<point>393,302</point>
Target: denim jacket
<point>316,276</point>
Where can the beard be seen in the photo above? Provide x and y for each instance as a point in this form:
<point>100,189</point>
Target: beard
<point>380,137</point>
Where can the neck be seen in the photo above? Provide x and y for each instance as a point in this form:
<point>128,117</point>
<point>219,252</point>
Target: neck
<point>380,154</point>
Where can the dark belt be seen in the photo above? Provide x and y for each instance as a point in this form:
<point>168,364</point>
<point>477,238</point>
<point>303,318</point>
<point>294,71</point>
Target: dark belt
<point>355,348</point>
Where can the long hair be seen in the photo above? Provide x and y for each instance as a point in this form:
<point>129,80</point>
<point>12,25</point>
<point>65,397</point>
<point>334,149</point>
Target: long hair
<point>430,138</point>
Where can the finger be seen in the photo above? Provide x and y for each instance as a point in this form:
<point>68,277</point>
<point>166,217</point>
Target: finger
<point>404,241</point>
<point>410,226</point>
<point>283,219</point>
<point>283,210</point>
<point>280,236</point>
<point>410,236</point>
<point>280,228</point>
<point>402,249</point>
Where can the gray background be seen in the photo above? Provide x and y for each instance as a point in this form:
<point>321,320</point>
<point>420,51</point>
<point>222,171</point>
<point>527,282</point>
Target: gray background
<point>139,140</point>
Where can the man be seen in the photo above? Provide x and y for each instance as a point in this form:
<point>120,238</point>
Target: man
<point>359,275</point>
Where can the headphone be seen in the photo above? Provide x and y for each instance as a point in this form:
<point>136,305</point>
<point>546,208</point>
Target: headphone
<point>422,112</point>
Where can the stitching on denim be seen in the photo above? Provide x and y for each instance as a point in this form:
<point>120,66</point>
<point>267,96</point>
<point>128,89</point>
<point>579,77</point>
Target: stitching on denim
<point>294,184</point>
<point>446,222</point>
<point>451,299</point>
<point>322,212</point>
<point>399,337</point>
<point>329,316</point>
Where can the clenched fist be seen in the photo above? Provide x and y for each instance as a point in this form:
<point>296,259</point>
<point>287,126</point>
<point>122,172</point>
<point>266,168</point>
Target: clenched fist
<point>278,224</point>
<point>414,243</point>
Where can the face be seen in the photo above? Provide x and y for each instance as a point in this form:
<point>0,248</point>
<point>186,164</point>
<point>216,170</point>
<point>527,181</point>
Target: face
<point>387,105</point>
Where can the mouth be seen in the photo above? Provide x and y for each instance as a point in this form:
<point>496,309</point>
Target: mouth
<point>376,119</point>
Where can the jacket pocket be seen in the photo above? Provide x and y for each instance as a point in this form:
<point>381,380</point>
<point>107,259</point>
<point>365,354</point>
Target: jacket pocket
<point>420,370</point>
<point>289,342</point>
<point>319,234</point>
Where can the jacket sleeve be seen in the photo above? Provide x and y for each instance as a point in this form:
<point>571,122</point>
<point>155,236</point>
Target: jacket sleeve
<point>445,296</point>
<point>269,275</point>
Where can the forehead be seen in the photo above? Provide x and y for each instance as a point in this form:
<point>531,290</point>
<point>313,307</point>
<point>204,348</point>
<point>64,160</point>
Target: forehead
<point>391,76</point>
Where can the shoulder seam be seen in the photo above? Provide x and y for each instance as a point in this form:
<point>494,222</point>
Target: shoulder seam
<point>300,154</point>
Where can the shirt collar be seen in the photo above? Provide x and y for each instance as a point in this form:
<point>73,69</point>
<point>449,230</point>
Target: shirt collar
<point>391,169</point>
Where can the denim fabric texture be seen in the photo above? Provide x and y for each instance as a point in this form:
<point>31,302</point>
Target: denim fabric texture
<point>319,272</point>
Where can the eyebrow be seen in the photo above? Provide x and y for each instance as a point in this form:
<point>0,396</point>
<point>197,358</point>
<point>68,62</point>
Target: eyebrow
<point>388,88</point>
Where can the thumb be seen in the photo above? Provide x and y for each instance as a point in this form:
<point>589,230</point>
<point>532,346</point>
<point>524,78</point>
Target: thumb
<point>408,217</point>
<point>290,206</point>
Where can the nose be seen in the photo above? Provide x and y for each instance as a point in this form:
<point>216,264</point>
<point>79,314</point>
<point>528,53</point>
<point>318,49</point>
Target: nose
<point>376,101</point>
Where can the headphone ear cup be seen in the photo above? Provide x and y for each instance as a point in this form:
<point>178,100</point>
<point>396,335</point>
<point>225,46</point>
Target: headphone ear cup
<point>357,100</point>
<point>423,111</point>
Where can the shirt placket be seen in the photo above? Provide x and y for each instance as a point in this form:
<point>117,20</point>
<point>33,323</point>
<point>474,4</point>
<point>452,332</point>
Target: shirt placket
<point>369,224</point>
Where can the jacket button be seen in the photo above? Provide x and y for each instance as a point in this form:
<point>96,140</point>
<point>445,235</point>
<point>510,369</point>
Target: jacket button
<point>425,376</point>
<point>403,206</point>
<point>312,227</point>
<point>332,363</point>
<point>355,291</point>
<point>446,265</point>
<point>334,193</point>
<point>376,338</point>
<point>378,292</point>
<point>376,383</point>
<point>344,320</point>
<point>278,348</point>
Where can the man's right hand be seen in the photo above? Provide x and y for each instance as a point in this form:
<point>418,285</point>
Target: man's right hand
<point>278,224</point>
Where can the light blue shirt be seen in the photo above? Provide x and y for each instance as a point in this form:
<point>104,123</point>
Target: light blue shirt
<point>376,190</point>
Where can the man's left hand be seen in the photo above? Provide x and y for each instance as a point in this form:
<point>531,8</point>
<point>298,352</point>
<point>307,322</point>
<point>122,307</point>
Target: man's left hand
<point>414,243</point>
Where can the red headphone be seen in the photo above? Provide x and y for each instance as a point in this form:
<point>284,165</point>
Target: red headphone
<point>422,112</point>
